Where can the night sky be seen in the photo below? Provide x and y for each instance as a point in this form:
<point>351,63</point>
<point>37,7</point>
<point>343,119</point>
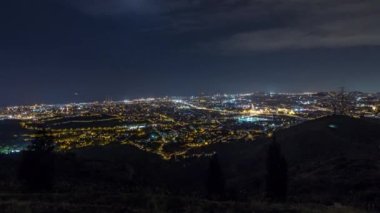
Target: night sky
<point>120,49</point>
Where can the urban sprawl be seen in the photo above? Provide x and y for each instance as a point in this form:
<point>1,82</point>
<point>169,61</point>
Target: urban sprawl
<point>178,126</point>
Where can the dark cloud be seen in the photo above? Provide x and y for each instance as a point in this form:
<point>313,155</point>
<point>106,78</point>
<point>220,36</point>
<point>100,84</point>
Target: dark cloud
<point>256,25</point>
<point>330,24</point>
<point>348,33</point>
<point>129,48</point>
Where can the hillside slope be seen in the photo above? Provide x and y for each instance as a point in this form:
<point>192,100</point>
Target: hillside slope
<point>334,158</point>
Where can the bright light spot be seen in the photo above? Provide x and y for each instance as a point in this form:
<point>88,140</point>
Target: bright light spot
<point>248,119</point>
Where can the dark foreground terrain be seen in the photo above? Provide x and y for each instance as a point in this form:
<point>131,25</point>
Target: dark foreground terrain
<point>333,166</point>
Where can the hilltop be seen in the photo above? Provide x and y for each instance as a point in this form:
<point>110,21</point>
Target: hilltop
<point>331,160</point>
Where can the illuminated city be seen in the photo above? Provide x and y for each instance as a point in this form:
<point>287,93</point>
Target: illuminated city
<point>173,126</point>
<point>189,106</point>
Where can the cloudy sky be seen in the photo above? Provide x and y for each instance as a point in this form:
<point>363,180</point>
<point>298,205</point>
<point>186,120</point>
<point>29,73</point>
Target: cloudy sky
<point>116,49</point>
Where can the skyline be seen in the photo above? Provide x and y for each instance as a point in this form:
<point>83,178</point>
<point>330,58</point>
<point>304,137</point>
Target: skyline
<point>127,100</point>
<point>64,51</point>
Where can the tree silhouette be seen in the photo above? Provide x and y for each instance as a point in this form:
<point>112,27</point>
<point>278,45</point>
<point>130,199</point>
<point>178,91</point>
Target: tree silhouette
<point>215,179</point>
<point>277,173</point>
<point>341,102</point>
<point>36,169</point>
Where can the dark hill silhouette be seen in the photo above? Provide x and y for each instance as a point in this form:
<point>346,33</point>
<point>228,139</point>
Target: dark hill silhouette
<point>331,159</point>
<point>334,158</point>
<point>331,136</point>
